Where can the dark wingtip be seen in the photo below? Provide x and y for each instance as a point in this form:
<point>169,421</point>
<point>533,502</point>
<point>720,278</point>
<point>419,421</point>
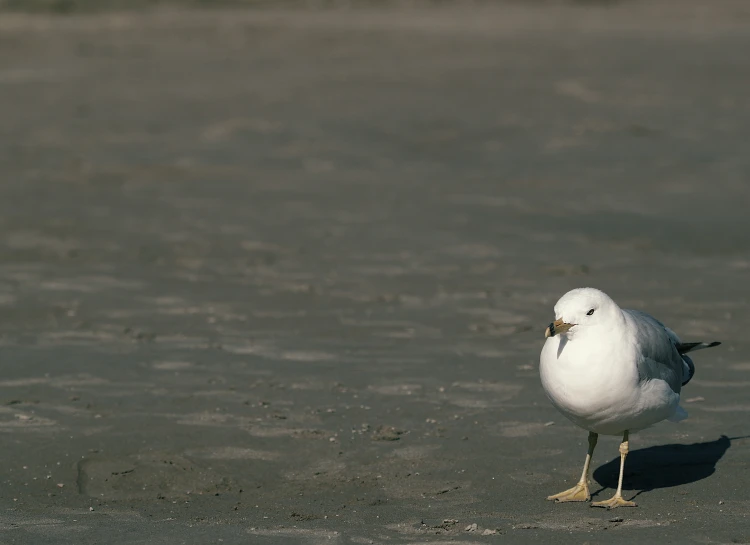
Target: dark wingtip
<point>684,348</point>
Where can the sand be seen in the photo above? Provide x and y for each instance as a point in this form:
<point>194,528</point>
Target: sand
<point>283,276</point>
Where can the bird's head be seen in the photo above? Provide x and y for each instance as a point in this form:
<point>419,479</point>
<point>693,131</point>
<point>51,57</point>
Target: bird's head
<point>581,309</point>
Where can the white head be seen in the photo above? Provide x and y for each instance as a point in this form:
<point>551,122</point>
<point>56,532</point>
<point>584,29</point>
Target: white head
<point>582,309</point>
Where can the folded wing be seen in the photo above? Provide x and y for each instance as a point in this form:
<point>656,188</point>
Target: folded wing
<point>660,357</point>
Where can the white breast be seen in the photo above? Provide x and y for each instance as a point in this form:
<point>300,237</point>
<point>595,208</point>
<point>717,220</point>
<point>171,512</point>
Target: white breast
<point>598,391</point>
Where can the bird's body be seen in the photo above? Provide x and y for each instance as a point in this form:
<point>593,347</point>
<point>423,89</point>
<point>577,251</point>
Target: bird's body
<point>611,383</point>
<point>612,371</point>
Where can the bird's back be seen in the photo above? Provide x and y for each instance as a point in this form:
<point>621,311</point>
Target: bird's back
<point>657,345</point>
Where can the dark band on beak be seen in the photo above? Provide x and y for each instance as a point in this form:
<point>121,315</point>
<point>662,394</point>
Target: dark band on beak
<point>557,327</point>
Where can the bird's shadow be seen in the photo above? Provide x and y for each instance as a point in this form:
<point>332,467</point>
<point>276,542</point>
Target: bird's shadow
<point>664,466</point>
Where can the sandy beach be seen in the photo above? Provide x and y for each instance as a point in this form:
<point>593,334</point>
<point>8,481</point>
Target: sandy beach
<point>281,276</point>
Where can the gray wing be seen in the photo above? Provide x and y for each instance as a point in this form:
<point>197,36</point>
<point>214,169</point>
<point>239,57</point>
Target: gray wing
<point>660,358</point>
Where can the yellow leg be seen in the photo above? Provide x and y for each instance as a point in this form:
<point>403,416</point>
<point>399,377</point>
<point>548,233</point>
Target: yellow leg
<point>616,500</point>
<point>580,492</point>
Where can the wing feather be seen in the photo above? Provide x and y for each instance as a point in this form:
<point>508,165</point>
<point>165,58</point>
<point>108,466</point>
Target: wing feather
<point>657,345</point>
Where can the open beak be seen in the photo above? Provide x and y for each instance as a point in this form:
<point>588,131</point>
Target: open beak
<point>557,327</point>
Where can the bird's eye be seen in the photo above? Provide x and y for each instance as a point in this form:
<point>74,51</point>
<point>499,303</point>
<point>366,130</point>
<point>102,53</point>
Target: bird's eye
<point>590,312</point>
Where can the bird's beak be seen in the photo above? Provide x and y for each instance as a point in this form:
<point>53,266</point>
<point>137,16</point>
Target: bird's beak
<point>557,327</point>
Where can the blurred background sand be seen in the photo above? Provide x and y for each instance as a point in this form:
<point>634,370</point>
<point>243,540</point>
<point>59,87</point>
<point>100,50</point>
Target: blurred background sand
<point>280,272</point>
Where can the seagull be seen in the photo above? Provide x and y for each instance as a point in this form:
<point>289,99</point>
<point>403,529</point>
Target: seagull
<point>612,371</point>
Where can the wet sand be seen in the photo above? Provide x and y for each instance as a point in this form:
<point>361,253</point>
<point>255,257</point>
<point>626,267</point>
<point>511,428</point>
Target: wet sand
<point>282,277</point>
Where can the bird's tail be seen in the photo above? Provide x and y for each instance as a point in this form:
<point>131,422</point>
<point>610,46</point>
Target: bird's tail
<point>684,348</point>
<point>679,415</point>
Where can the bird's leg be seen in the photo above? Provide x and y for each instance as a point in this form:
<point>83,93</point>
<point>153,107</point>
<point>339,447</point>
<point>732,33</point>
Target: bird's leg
<point>580,492</point>
<point>616,500</point>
